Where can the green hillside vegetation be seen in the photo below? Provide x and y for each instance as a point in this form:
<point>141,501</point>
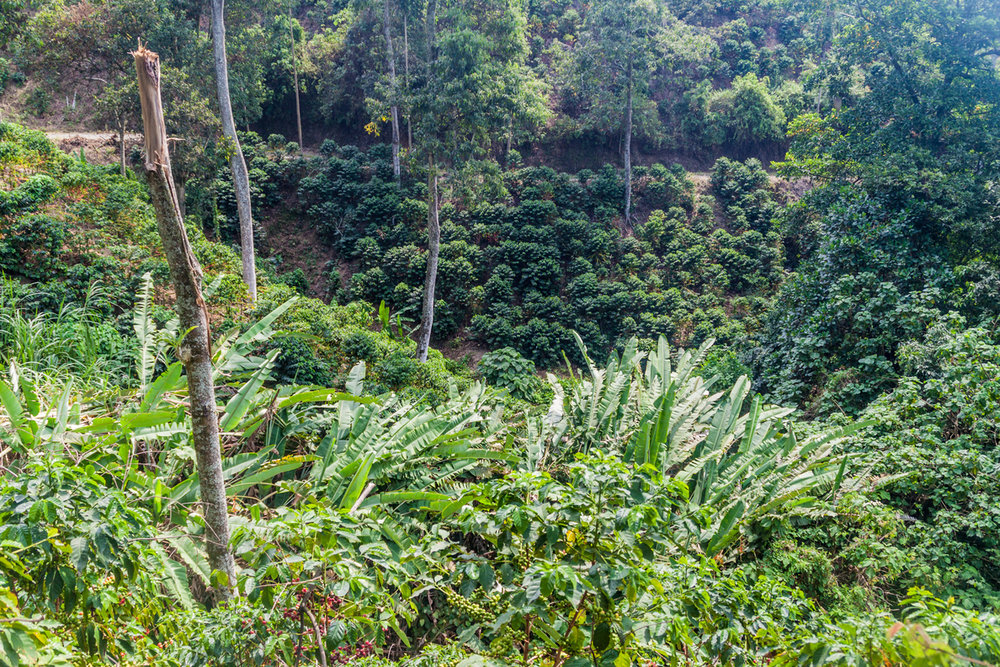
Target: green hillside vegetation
<point>530,254</point>
<point>714,370</point>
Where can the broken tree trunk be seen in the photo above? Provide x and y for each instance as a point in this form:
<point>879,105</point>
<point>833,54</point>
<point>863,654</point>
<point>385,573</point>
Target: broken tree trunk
<point>195,351</point>
<point>241,178</point>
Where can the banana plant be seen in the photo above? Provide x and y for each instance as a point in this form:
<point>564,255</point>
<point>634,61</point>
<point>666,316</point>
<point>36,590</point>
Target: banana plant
<point>748,470</point>
<point>33,422</point>
<point>740,459</point>
<point>593,411</point>
<point>393,451</point>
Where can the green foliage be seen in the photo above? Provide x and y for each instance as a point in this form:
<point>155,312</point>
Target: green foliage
<point>507,369</point>
<point>32,246</point>
<point>366,524</point>
<point>939,429</point>
<point>746,113</point>
<point>73,341</point>
<point>934,632</point>
<point>76,552</point>
<point>39,101</point>
<point>518,273</point>
<point>741,464</point>
<point>863,294</point>
<point>902,212</point>
<point>660,510</point>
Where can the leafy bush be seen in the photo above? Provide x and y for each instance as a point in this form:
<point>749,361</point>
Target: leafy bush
<point>938,433</point>
<point>746,113</point>
<point>78,553</point>
<point>507,369</point>
<point>32,246</point>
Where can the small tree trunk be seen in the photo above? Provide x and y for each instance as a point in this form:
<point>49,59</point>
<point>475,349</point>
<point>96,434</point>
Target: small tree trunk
<point>295,74</point>
<point>195,351</point>
<point>433,251</point>
<point>241,179</point>
<point>430,26</point>
<point>121,143</point>
<point>510,141</point>
<point>433,220</point>
<point>181,201</point>
<point>390,58</point>
<point>628,151</point>
<point>406,82</point>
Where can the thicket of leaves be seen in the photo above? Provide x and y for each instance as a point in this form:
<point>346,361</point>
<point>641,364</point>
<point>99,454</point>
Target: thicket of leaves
<point>629,523</point>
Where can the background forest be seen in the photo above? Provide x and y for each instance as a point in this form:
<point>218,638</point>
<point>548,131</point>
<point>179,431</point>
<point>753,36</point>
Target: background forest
<point>709,373</point>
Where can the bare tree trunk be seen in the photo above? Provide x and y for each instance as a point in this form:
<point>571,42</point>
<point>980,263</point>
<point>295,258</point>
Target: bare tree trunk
<point>628,151</point>
<point>121,143</point>
<point>390,58</point>
<point>406,82</point>
<point>431,29</point>
<point>181,201</point>
<point>433,220</point>
<point>195,351</point>
<point>433,251</point>
<point>510,142</point>
<point>241,179</point>
<point>295,74</point>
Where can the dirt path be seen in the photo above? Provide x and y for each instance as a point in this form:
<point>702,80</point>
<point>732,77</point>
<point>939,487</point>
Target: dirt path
<point>89,136</point>
<point>98,147</point>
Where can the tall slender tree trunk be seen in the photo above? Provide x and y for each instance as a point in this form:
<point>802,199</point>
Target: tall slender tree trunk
<point>628,151</point>
<point>430,26</point>
<point>295,74</point>
<point>433,220</point>
<point>433,252</point>
<point>181,201</point>
<point>390,58</point>
<point>121,143</point>
<point>406,82</point>
<point>510,142</point>
<point>241,179</point>
<point>195,350</point>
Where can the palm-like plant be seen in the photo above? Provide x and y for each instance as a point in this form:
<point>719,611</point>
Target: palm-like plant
<point>392,451</point>
<point>740,459</point>
<point>374,451</point>
<point>595,407</point>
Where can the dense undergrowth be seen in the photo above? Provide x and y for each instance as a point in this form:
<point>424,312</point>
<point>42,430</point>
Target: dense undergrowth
<point>651,515</point>
<point>650,509</point>
<point>812,482</point>
<point>78,238</point>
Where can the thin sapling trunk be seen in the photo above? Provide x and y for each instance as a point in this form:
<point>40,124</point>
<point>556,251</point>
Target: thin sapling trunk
<point>433,252</point>
<point>295,75</point>
<point>628,151</point>
<point>391,63</point>
<point>433,219</point>
<point>241,178</point>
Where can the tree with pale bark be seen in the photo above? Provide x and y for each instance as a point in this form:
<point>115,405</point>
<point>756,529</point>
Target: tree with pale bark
<point>611,68</point>
<point>241,177</point>
<point>474,86</point>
